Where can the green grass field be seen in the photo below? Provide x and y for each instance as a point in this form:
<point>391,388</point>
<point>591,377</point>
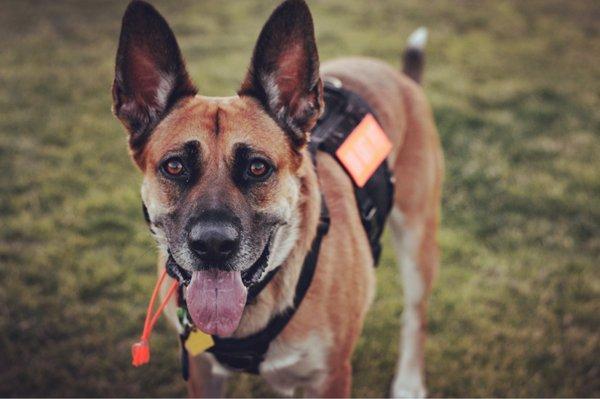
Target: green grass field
<point>515,86</point>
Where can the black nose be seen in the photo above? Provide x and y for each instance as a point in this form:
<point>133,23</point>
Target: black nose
<point>214,242</point>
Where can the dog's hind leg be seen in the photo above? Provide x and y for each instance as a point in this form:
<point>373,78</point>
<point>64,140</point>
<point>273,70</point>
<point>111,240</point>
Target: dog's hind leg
<point>416,250</point>
<point>202,381</point>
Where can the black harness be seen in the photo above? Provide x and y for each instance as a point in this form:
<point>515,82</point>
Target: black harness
<point>344,110</point>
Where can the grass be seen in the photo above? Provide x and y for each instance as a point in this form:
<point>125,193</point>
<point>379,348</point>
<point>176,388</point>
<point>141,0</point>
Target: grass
<point>515,89</point>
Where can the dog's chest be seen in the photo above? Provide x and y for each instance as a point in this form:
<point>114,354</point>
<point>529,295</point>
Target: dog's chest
<point>300,364</point>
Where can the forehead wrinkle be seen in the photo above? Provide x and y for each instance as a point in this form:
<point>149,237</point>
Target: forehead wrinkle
<point>217,121</point>
<point>183,122</point>
<point>194,119</point>
<point>244,121</point>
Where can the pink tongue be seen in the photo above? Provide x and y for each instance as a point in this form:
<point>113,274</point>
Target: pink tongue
<point>216,300</point>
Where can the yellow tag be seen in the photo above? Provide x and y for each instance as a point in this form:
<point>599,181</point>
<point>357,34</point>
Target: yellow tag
<point>198,342</point>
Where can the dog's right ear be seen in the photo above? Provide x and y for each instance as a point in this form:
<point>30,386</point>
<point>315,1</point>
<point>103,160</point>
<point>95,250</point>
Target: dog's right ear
<point>150,75</point>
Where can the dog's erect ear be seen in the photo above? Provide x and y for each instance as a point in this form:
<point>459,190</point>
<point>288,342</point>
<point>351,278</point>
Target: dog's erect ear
<point>150,74</point>
<point>284,71</point>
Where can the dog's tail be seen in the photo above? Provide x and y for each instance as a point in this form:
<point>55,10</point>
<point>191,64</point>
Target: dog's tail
<point>413,59</point>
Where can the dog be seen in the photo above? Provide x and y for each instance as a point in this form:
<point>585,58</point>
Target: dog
<point>229,182</point>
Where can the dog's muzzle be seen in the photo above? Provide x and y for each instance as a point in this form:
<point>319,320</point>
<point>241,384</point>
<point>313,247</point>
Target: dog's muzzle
<point>250,276</point>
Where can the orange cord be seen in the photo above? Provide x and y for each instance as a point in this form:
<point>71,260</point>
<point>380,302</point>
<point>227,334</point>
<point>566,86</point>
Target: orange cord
<point>140,351</point>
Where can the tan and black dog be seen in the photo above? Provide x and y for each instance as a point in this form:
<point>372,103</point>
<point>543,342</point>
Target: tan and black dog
<point>228,182</point>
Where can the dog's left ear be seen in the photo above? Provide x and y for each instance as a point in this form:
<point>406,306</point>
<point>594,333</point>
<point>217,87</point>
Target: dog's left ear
<point>284,71</point>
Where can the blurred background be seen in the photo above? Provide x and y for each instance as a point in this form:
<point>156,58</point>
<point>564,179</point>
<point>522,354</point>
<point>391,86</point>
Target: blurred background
<point>515,88</point>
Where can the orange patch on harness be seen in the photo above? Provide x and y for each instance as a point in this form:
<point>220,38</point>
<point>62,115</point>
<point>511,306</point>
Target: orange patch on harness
<point>364,150</point>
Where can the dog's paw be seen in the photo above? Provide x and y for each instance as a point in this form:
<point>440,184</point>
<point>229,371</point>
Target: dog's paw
<point>402,388</point>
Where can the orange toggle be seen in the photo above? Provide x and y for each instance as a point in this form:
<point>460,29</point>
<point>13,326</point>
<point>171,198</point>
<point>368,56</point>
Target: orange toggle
<point>140,351</point>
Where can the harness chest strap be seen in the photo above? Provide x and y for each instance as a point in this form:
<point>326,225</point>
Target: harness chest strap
<point>246,354</point>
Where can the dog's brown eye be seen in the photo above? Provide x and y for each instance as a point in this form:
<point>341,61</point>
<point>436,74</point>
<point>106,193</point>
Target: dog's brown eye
<point>174,167</point>
<point>258,168</point>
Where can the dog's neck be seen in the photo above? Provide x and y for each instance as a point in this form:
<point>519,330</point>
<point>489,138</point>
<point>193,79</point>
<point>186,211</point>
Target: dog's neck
<point>278,295</point>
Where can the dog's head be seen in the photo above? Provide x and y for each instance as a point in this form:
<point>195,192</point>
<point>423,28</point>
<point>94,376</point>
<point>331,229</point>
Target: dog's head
<point>222,176</point>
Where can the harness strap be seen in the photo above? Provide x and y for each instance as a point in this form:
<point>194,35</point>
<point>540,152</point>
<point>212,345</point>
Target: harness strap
<point>344,110</point>
<point>246,354</point>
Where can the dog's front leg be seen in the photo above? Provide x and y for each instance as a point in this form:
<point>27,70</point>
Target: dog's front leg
<point>202,382</point>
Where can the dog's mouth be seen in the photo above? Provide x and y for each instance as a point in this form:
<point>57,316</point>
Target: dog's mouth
<point>253,274</point>
<point>250,276</point>
<point>216,298</point>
